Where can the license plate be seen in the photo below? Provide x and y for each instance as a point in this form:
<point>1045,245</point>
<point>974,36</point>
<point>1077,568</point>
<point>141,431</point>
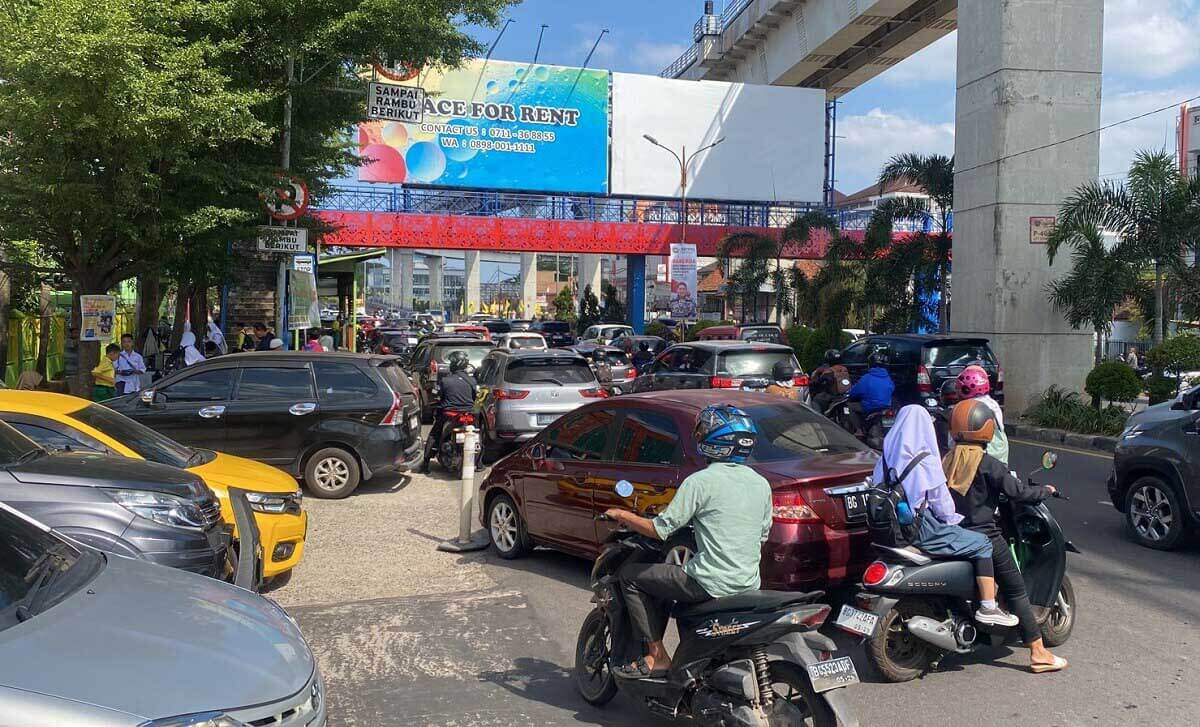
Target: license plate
<point>832,674</point>
<point>856,621</point>
<point>856,505</point>
<point>546,419</point>
<point>414,423</point>
<point>888,422</point>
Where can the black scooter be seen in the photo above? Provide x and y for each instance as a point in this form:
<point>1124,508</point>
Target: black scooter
<point>876,425</point>
<point>754,659</point>
<point>914,610</point>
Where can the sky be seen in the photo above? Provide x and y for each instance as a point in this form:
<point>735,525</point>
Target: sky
<point>1151,60</point>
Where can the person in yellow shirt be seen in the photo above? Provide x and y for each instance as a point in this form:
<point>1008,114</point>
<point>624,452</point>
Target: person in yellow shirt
<point>104,376</point>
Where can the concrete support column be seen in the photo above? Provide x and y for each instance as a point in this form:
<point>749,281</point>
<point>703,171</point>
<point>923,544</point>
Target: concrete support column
<point>589,274</point>
<point>528,283</point>
<point>471,281</point>
<point>400,293</point>
<point>1028,75</point>
<point>636,275</point>
<point>437,295</point>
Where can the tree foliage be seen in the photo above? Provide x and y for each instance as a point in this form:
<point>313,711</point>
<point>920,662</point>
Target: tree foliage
<point>564,305</point>
<point>589,309</point>
<point>614,309</point>
<point>1113,381</point>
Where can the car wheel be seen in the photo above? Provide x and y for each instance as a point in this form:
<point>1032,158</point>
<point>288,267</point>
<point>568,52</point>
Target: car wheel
<point>1154,514</point>
<point>332,474</point>
<point>506,528</point>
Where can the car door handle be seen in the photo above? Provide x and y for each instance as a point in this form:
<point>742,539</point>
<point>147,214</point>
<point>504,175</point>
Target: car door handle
<point>212,412</point>
<point>301,409</point>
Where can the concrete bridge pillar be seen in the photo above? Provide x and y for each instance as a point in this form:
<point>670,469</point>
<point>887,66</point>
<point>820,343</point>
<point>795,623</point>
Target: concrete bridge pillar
<point>1028,75</point>
<point>471,290</point>
<point>528,283</point>
<point>400,293</point>
<point>589,274</point>
<point>436,285</point>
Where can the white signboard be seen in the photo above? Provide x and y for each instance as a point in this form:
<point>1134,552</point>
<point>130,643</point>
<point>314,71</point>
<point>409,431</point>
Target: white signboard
<point>282,239</point>
<point>389,102</point>
<point>682,267</point>
<point>773,148</point>
<point>303,263</point>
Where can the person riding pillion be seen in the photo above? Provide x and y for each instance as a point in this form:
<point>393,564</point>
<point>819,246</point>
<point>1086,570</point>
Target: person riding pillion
<point>458,391</point>
<point>729,508</point>
<point>873,392</point>
<point>783,381</point>
<point>973,383</point>
<point>830,380</point>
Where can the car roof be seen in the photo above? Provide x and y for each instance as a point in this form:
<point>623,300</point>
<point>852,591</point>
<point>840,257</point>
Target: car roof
<point>924,337</point>
<point>46,401</point>
<point>727,345</point>
<point>697,399</point>
<point>458,340</point>
<point>292,356</point>
<point>540,353</point>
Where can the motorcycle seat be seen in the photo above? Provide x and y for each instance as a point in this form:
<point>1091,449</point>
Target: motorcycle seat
<point>908,555</point>
<point>749,601</point>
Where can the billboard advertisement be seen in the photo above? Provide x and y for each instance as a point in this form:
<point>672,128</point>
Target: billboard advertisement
<point>773,139</point>
<point>493,125</point>
<point>682,269</point>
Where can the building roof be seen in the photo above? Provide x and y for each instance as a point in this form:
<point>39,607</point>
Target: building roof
<point>900,186</point>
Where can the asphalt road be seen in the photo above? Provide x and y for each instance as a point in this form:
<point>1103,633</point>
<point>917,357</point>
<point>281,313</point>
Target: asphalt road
<point>1133,653</point>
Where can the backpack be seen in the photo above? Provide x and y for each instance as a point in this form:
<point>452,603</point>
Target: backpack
<point>890,518</point>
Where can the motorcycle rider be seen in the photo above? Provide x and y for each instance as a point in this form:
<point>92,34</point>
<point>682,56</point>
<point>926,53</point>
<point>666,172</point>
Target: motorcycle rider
<point>977,479</point>
<point>729,507</point>
<point>973,383</point>
<point>825,384</point>
<point>939,533</point>
<point>642,357</point>
<point>458,394</point>
<point>783,381</point>
<point>872,393</point>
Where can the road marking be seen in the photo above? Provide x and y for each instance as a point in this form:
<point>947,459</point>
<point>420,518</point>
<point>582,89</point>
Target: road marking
<point>1044,445</point>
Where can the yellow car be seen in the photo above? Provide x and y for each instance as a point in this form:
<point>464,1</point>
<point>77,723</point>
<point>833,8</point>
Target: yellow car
<point>59,422</point>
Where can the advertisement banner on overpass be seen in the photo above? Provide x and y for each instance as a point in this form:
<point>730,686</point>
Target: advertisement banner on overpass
<point>497,125</point>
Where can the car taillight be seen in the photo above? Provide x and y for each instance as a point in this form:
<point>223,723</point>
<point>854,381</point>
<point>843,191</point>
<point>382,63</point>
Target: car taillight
<point>875,574</point>
<point>631,373</point>
<point>510,394</point>
<point>384,348</point>
<point>595,393</point>
<point>433,368</point>
<point>801,380</point>
<point>924,384</point>
<point>393,416</point>
<point>724,382</point>
<point>788,506</point>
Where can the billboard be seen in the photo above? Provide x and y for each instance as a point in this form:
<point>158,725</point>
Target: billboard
<point>494,125</point>
<point>682,267</point>
<point>773,148</point>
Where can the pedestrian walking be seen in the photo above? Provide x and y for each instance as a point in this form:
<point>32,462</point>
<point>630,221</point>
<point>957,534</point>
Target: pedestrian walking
<point>1132,358</point>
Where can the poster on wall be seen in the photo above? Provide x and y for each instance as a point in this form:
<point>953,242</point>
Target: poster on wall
<point>303,310</point>
<point>682,268</point>
<point>496,125</point>
<point>97,315</point>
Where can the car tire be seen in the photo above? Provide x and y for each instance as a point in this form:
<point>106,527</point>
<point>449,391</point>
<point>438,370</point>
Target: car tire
<point>1154,514</point>
<point>332,474</point>
<point>506,528</point>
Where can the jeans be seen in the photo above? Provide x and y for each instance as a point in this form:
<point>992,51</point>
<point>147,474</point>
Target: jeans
<point>649,590</point>
<point>938,539</point>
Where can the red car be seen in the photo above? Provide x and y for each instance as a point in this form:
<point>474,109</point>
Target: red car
<point>549,490</point>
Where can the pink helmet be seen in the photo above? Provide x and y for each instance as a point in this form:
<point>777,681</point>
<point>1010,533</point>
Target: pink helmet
<point>973,382</point>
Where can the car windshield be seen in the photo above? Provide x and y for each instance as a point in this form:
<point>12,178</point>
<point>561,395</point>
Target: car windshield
<point>16,447</point>
<point>475,352</point>
<point>755,362</point>
<point>556,372</point>
<point>143,440</point>
<point>33,566</point>
<point>961,353</point>
<point>789,430</point>
<point>556,326</point>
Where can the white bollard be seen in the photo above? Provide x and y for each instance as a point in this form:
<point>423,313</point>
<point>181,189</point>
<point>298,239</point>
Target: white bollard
<point>470,443</point>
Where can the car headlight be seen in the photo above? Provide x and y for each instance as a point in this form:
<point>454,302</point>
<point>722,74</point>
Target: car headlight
<point>159,507</point>
<point>275,502</point>
<point>1132,431</point>
<point>201,719</point>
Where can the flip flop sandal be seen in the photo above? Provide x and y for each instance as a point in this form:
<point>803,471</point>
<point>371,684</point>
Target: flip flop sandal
<point>1058,665</point>
<point>640,670</point>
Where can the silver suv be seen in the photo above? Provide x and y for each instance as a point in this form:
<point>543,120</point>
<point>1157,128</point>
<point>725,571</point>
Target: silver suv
<point>1156,472</point>
<point>89,639</point>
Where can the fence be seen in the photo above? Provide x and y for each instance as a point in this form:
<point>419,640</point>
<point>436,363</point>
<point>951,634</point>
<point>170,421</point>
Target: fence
<point>24,339</point>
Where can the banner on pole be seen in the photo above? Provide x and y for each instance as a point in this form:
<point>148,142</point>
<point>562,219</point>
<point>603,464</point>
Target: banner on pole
<point>303,311</point>
<point>681,267</point>
<point>97,313</point>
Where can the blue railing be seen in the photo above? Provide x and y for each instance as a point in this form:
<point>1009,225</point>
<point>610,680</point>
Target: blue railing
<point>706,25</point>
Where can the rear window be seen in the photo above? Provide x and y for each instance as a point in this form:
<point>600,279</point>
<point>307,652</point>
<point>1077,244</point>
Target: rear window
<point>556,326</point>
<point>497,326</point>
<point>399,339</point>
<point>549,371</point>
<point>526,342</point>
<point>396,378</point>
<point>342,382</point>
<point>475,351</point>
<point>259,383</point>
<point>958,353</point>
<point>754,363</point>
<point>789,430</point>
<point>769,334</point>
<point>613,358</point>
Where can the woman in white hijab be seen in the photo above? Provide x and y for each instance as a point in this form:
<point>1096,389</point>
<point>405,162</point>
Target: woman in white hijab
<point>218,339</point>
<point>187,347</point>
<point>910,451</point>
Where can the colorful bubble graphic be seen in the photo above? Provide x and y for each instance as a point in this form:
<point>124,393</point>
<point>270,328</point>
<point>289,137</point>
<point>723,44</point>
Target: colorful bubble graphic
<point>386,165</point>
<point>462,152</point>
<point>395,135</point>
<point>425,161</point>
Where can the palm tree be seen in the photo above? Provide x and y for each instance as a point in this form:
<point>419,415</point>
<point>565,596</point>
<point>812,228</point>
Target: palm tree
<point>1156,212</point>
<point>799,231</point>
<point>922,263</point>
<point>744,280</point>
<point>1101,278</point>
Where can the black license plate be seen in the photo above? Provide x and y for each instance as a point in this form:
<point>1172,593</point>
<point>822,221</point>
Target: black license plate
<point>856,505</point>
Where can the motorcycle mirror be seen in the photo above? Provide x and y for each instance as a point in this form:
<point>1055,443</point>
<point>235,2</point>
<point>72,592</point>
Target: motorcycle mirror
<point>1049,459</point>
<point>624,488</point>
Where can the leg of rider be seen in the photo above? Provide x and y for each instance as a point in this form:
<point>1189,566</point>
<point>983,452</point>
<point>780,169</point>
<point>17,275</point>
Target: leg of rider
<point>435,435</point>
<point>1012,585</point>
<point>649,588</point>
<point>857,423</point>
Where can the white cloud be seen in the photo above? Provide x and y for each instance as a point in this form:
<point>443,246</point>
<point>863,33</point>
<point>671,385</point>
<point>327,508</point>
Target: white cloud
<point>1118,144</point>
<point>649,57</point>
<point>936,62</point>
<point>1150,38</point>
<point>874,137</point>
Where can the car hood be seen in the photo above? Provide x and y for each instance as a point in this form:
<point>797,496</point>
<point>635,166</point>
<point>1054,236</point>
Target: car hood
<point>828,466</point>
<point>1156,414</point>
<point>81,469</point>
<point>226,470</point>
<point>157,642</point>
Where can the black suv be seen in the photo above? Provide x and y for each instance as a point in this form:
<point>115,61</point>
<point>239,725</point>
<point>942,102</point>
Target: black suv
<point>428,365</point>
<point>126,506</point>
<point>332,419</point>
<point>921,364</point>
<point>717,365</point>
<point>1156,472</point>
<point>556,333</point>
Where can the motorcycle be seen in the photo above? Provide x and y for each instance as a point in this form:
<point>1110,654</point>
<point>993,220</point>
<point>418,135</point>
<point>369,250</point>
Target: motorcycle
<point>913,610</point>
<point>939,408</point>
<point>751,659</point>
<point>876,425</point>
<point>450,448</point>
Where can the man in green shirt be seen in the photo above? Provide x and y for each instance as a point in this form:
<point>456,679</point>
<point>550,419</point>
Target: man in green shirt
<point>729,508</point>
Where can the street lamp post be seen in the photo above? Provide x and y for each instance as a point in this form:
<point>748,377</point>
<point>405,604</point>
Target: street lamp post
<point>682,158</point>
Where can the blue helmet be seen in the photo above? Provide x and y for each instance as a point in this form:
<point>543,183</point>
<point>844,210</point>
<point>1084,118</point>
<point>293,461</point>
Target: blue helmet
<point>725,433</point>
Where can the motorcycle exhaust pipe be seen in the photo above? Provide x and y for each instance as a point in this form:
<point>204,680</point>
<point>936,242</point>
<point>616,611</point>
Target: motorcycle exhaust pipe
<point>938,633</point>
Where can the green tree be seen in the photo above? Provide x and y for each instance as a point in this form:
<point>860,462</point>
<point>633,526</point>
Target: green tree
<point>589,309</point>
<point>1114,381</point>
<point>1176,356</point>
<point>564,305</point>
<point>614,309</point>
<point>799,232</point>
<point>1156,211</point>
<point>1100,278</point>
<point>747,258</point>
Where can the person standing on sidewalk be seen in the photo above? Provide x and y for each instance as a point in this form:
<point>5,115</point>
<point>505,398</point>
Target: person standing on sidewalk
<point>104,376</point>
<point>130,366</point>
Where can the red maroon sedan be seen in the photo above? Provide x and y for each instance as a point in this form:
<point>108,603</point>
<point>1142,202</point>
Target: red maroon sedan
<point>549,491</point>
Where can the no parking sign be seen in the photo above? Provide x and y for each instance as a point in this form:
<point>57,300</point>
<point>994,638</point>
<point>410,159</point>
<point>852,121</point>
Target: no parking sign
<point>289,200</point>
